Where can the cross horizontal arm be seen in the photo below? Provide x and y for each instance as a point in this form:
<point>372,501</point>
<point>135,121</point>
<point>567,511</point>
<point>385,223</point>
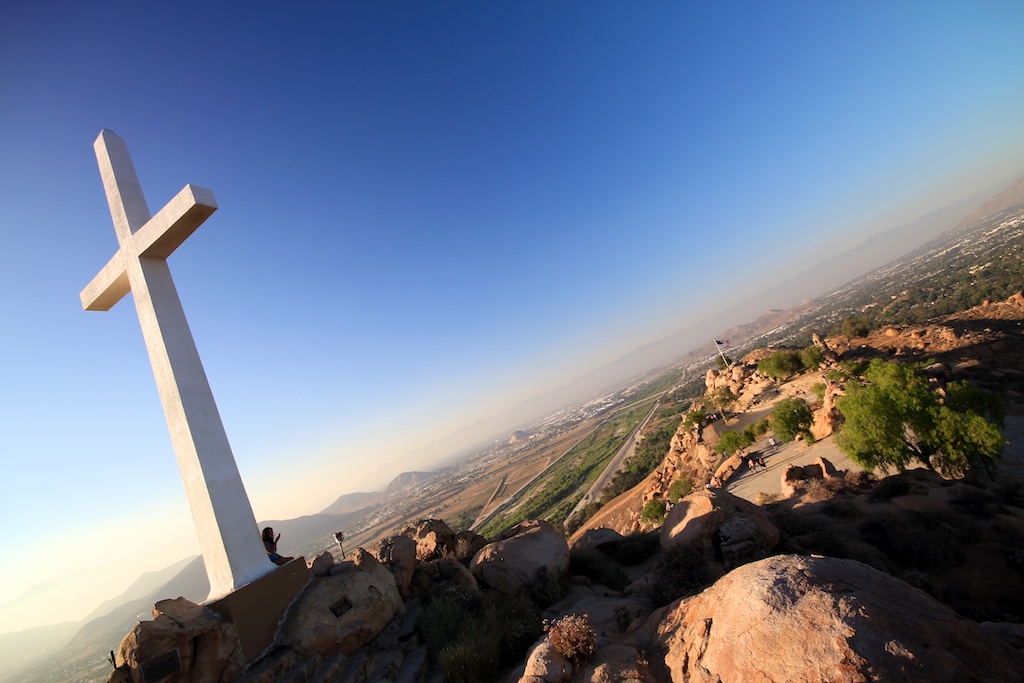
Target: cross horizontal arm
<point>158,238</point>
<point>164,232</point>
<point>108,287</point>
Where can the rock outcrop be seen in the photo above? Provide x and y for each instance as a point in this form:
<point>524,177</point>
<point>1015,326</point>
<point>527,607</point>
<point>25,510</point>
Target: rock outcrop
<point>343,611</point>
<point>398,554</point>
<point>187,639</point>
<point>793,618</point>
<point>718,523</point>
<point>435,540</point>
<point>512,563</point>
<point>827,417</point>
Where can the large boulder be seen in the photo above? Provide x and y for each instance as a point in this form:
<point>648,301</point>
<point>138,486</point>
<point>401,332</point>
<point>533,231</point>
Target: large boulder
<point>435,540</point>
<point>513,561</point>
<point>187,640</point>
<point>601,537</point>
<point>344,611</point>
<point>617,664</point>
<point>430,576</point>
<point>794,618</point>
<point>713,522</point>
<point>545,664</point>
<point>398,553</point>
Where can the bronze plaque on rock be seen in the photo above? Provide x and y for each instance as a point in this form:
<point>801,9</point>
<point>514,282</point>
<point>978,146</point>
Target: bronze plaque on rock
<point>161,667</point>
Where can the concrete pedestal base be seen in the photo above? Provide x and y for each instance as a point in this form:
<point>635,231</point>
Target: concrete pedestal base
<point>257,607</point>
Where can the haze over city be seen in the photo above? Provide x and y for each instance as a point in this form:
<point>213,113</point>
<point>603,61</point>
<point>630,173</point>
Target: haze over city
<point>428,214</point>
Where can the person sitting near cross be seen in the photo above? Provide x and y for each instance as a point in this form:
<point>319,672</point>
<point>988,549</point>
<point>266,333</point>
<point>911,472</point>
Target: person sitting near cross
<point>270,543</point>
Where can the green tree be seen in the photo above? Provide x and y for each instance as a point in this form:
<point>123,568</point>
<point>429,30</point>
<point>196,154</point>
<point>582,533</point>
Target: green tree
<point>792,416</point>
<point>694,418</point>
<point>856,326</point>
<point>811,357</point>
<point>721,398</point>
<point>780,365</point>
<point>897,419</point>
<point>730,442</point>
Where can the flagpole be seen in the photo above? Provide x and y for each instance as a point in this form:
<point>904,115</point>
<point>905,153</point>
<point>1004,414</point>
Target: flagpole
<point>725,361</point>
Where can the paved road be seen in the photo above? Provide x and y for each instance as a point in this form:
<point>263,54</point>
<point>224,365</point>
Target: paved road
<point>625,451</point>
<point>748,484</point>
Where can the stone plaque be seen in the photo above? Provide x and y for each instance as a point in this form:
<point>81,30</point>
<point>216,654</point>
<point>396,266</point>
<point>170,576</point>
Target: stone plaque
<point>340,607</point>
<point>161,667</point>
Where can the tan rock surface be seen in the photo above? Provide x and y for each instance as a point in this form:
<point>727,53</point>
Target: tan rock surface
<point>344,611</point>
<point>696,520</point>
<point>511,563</point>
<point>793,618</point>
<point>208,649</point>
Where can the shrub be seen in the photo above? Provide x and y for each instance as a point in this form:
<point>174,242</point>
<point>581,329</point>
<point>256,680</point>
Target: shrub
<point>476,634</point>
<point>818,389</point>
<point>764,499</point>
<point>861,479</point>
<point>818,490</point>
<point>545,588</point>
<point>654,511</point>
<point>891,487</point>
<point>623,618</point>
<point>680,488</point>
<point>572,637</point>
<point>780,365</point>
<point>470,659</point>
<point>677,572</point>
<point>597,567</point>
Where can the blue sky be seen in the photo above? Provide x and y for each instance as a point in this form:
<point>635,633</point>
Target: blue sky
<point>430,212</point>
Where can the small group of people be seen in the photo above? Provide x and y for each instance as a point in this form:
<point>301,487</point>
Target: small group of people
<point>754,460</point>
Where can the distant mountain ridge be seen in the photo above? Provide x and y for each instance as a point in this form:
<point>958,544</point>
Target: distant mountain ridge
<point>1010,198</point>
<point>405,480</point>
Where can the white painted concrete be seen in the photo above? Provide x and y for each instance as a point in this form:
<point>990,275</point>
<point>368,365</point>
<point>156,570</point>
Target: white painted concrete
<point>228,536</point>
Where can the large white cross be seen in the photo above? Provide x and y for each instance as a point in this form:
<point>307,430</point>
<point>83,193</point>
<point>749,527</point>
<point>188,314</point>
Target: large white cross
<point>228,536</point>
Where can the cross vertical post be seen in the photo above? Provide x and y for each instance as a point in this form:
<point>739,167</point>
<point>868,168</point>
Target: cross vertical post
<point>228,536</point>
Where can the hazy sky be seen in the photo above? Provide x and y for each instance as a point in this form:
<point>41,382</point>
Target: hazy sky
<point>428,213</point>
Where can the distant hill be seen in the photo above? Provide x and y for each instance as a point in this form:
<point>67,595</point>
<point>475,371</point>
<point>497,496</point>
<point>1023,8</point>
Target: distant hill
<point>23,649</point>
<point>405,480</point>
<point>1010,198</point>
<point>350,502</point>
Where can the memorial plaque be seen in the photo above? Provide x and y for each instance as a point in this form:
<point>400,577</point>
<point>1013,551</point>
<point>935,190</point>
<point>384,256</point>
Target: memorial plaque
<point>161,667</point>
<point>340,607</point>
